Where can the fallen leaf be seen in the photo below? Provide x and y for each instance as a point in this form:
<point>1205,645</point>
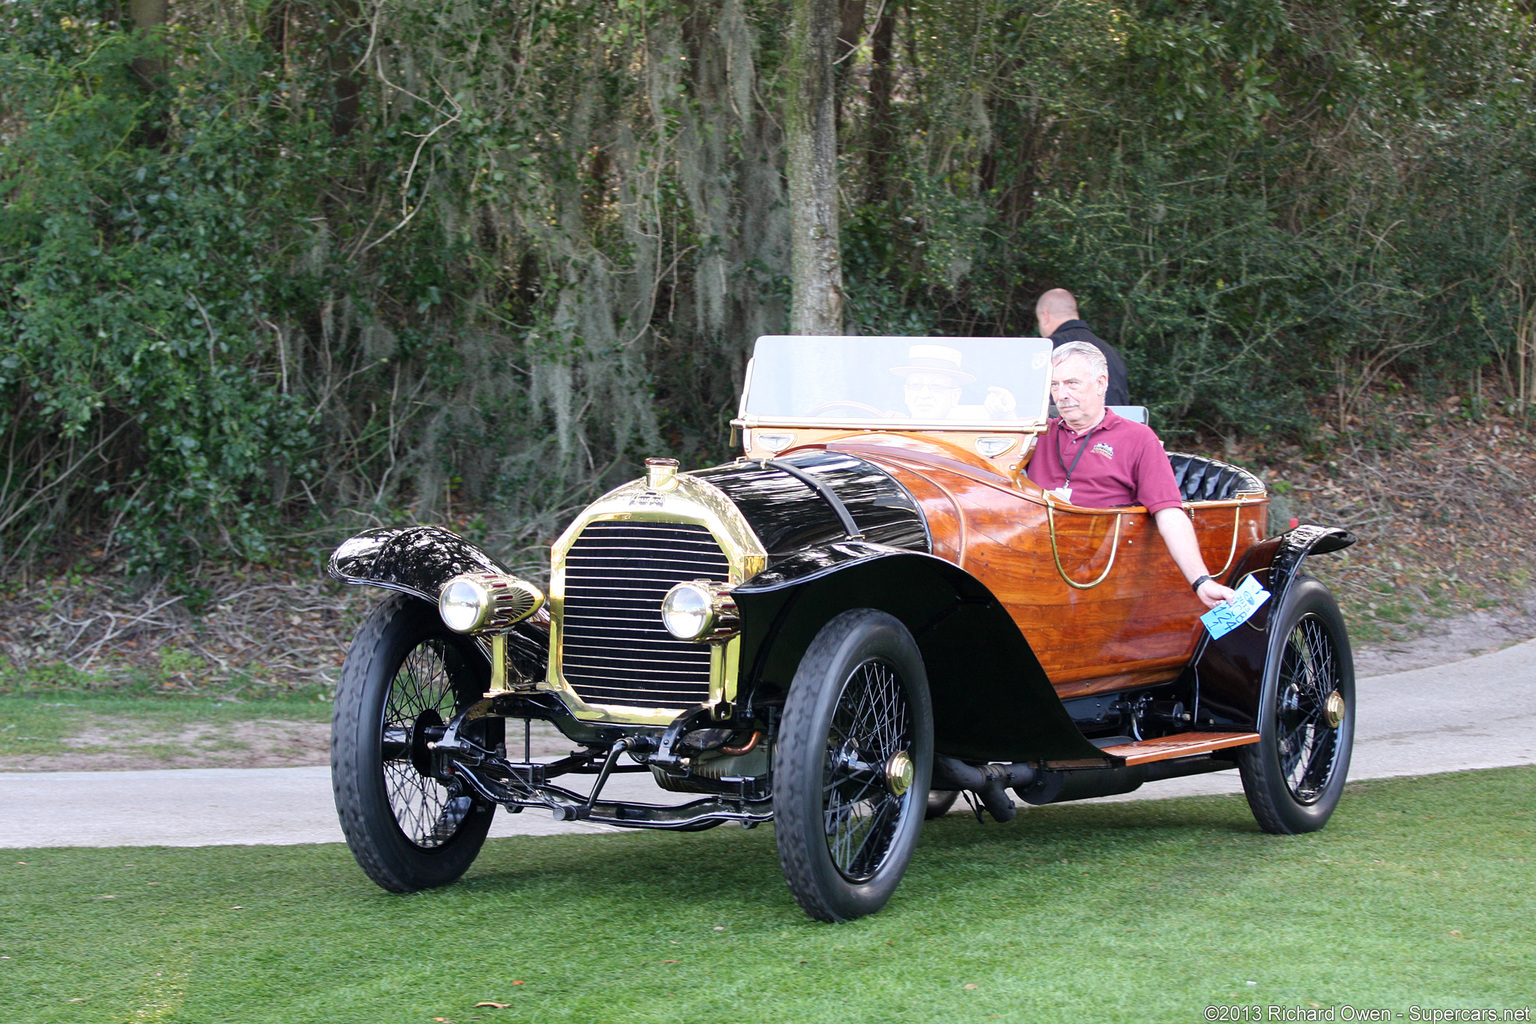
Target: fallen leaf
<point>517,983</point>
<point>497,1006</point>
<point>719,927</point>
<point>972,986</point>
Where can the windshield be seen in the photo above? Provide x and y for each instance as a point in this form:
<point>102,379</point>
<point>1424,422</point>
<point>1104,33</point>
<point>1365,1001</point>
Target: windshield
<point>933,382</point>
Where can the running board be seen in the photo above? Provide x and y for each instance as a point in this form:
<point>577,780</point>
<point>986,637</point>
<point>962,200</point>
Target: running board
<point>1184,744</point>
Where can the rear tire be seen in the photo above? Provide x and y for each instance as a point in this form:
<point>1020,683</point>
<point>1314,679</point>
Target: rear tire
<point>1294,775</point>
<point>851,773</point>
<point>405,673</point>
<point>939,802</point>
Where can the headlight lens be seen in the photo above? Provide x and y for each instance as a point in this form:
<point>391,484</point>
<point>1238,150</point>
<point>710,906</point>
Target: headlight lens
<point>463,603</point>
<point>487,602</point>
<point>688,611</point>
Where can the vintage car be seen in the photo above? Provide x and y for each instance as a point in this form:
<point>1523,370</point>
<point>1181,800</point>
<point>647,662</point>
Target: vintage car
<point>872,610</point>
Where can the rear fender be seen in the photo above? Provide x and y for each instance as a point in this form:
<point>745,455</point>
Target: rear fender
<point>991,699</point>
<point>1227,674</point>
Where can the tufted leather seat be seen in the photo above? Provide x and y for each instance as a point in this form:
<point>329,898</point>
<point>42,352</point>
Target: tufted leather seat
<point>1203,479</point>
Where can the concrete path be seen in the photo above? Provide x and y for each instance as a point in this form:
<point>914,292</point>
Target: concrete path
<point>1477,713</point>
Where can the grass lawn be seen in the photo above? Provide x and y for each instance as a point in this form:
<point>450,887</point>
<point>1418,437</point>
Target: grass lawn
<point>39,723</point>
<point>1421,892</point>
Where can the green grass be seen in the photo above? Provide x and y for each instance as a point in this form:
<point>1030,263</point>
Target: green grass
<point>38,723</point>
<point>1421,892</point>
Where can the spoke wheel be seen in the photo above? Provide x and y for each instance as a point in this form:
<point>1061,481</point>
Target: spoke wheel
<point>405,676</point>
<point>939,802</point>
<point>1294,775</point>
<point>854,758</point>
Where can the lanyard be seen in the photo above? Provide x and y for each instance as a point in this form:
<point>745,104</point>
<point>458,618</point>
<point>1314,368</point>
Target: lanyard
<point>1086,438</point>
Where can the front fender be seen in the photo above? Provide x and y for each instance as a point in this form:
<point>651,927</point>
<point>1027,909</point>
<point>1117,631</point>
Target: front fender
<point>1229,672</point>
<point>991,699</point>
<point>415,560</point>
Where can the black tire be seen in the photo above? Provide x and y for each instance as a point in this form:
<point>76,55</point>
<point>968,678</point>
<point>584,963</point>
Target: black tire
<point>405,672</point>
<point>939,802</point>
<point>857,718</point>
<point>1294,775</point>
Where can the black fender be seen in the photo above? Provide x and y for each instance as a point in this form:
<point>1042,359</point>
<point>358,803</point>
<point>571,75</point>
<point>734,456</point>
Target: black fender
<point>991,699</point>
<point>1227,673</point>
<point>415,560</point>
<point>418,560</point>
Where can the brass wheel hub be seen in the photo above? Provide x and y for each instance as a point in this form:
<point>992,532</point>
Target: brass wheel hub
<point>899,772</point>
<point>1333,709</point>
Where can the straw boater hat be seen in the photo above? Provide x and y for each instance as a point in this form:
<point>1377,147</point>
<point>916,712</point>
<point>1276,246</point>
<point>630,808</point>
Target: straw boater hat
<point>934,359</point>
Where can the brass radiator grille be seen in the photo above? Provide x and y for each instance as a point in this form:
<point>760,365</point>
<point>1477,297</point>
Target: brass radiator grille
<point>615,649</point>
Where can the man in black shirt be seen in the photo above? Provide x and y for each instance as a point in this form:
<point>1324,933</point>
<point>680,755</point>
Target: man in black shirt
<point>1056,312</point>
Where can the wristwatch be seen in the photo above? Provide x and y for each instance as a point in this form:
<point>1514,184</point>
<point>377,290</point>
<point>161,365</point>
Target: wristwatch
<point>1195,586</point>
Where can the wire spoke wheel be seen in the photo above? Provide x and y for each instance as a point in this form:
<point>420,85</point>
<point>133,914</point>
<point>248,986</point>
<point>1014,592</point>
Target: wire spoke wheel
<point>855,754</point>
<point>418,704</point>
<point>870,727</point>
<point>1307,744</point>
<point>405,677</point>
<point>1294,775</point>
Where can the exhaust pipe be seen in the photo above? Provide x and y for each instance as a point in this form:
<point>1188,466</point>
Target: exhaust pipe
<point>990,782</point>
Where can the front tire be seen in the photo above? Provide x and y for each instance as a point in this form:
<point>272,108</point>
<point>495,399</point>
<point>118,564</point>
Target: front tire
<point>1294,775</point>
<point>405,674</point>
<point>854,759</point>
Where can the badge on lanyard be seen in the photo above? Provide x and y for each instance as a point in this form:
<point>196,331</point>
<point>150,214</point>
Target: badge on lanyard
<point>1064,492</point>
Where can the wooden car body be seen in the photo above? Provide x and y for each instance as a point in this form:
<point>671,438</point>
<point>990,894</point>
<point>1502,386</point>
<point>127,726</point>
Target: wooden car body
<point>1038,646</point>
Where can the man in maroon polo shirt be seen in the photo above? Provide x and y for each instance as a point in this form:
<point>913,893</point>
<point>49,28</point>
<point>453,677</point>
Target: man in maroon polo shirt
<point>1089,456</point>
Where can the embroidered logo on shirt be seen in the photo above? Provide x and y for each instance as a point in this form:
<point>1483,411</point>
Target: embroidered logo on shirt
<point>1103,448</point>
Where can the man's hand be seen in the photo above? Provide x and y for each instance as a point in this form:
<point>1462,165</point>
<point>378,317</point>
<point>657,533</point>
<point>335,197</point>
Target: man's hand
<point>999,404</point>
<point>1212,594</point>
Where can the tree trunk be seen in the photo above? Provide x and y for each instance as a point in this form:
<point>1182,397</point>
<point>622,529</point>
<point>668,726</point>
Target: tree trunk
<point>811,127</point>
<point>849,31</point>
<point>882,132</point>
<point>343,40</point>
<point>149,17</point>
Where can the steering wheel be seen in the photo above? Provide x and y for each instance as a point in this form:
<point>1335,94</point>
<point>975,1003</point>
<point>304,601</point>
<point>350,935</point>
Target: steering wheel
<point>846,405</point>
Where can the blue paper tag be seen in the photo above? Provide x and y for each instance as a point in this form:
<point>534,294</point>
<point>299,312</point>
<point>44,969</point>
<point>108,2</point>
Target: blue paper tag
<point>1224,618</point>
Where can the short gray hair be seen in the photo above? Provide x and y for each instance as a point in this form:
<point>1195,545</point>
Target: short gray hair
<point>1097,364</point>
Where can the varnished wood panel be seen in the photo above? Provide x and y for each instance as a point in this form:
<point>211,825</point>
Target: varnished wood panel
<point>1138,626</point>
<point>1184,744</point>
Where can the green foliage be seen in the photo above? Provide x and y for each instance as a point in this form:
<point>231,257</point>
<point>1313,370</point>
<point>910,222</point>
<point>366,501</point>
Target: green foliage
<point>396,260</point>
<point>137,334</point>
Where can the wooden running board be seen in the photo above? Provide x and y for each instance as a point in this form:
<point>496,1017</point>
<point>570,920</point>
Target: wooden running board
<point>1184,744</point>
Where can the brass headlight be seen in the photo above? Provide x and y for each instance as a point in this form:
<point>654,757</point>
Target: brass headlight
<point>487,602</point>
<point>700,610</point>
